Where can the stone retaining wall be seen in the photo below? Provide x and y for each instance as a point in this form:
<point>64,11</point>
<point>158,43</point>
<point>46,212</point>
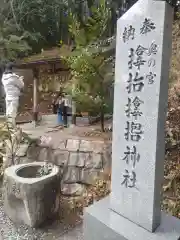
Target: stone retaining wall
<point>86,160</point>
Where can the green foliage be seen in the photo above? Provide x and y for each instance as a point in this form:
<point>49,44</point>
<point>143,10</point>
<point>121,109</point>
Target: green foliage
<point>29,25</point>
<point>42,20</point>
<point>91,68</point>
<point>90,83</point>
<point>13,44</point>
<point>40,24</point>
<point>10,140</point>
<point>93,27</point>
<point>12,47</point>
<point>45,169</point>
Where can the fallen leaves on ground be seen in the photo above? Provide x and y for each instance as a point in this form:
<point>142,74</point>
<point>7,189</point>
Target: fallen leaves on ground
<point>74,206</point>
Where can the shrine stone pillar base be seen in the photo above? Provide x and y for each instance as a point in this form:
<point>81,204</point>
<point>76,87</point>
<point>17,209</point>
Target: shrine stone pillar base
<point>101,223</point>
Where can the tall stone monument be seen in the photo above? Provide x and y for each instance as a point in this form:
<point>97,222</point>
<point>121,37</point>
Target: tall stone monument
<point>143,50</point>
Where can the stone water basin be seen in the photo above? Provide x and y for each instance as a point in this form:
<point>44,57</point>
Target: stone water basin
<point>28,197</point>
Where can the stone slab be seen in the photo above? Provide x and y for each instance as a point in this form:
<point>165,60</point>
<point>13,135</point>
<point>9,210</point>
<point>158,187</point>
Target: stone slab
<point>72,175</point>
<point>89,176</point>
<point>72,145</point>
<point>140,104</point>
<point>101,223</point>
<point>73,189</point>
<point>75,159</point>
<point>59,157</point>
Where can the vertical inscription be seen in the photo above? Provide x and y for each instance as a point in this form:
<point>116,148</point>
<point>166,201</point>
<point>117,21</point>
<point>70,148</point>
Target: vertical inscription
<point>136,83</point>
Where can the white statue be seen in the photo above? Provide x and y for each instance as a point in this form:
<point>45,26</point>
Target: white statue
<point>13,85</point>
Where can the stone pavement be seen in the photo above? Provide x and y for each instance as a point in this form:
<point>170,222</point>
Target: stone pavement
<point>49,127</point>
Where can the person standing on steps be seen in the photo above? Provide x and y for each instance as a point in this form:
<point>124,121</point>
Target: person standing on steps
<point>54,104</point>
<point>13,85</point>
<point>65,110</point>
<point>60,108</point>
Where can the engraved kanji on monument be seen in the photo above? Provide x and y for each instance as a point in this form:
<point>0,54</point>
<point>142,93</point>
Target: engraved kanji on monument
<point>141,84</point>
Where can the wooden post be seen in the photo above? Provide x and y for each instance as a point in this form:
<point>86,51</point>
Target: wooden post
<point>35,95</point>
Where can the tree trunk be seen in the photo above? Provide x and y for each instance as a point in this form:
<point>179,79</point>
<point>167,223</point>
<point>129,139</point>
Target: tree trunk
<point>73,113</point>
<point>74,119</point>
<point>102,120</point>
<point>35,95</point>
